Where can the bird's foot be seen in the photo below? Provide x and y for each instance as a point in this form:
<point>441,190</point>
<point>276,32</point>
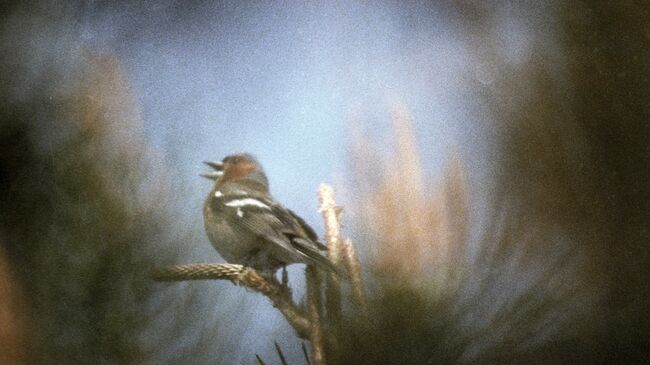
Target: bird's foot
<point>285,276</point>
<point>284,286</point>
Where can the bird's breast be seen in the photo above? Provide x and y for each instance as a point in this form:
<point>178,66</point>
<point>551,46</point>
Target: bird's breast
<point>231,241</point>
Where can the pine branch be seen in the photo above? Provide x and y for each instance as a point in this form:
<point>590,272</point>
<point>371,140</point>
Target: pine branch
<point>244,276</point>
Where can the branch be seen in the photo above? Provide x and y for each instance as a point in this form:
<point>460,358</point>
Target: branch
<point>353,267</point>
<point>331,218</point>
<point>314,311</point>
<point>230,272</point>
<point>245,276</point>
<point>339,250</point>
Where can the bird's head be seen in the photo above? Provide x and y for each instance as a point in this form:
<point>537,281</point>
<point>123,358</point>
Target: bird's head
<point>240,168</point>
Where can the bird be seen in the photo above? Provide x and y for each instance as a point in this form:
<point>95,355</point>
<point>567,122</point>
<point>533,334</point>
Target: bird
<point>247,226</point>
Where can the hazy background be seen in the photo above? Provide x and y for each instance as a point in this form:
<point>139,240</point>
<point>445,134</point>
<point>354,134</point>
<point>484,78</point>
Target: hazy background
<point>110,109</point>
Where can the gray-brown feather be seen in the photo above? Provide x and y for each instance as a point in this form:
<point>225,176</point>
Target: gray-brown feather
<point>261,234</point>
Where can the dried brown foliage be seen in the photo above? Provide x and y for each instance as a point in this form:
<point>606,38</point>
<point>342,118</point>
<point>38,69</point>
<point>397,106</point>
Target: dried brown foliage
<point>562,256</point>
<point>80,225</point>
<point>418,228</point>
<point>414,234</point>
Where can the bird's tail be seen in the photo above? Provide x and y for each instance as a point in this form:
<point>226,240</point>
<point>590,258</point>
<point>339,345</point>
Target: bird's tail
<point>313,256</point>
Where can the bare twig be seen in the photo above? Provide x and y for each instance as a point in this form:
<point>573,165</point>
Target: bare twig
<point>352,265</point>
<point>331,218</point>
<point>313,308</point>
<point>340,251</point>
<point>241,275</point>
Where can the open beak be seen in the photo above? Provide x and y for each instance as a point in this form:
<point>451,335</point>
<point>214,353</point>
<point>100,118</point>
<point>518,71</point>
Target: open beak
<point>213,175</point>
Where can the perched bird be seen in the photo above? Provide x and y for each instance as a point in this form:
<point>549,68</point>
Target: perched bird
<point>247,226</point>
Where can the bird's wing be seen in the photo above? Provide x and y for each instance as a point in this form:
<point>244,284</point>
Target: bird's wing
<point>264,217</point>
<point>252,215</point>
<point>302,237</point>
<point>308,231</point>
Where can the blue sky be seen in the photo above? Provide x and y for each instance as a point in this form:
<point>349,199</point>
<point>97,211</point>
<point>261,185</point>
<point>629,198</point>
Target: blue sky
<point>286,82</point>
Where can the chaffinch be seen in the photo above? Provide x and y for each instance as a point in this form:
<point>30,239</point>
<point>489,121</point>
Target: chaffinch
<point>247,226</point>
